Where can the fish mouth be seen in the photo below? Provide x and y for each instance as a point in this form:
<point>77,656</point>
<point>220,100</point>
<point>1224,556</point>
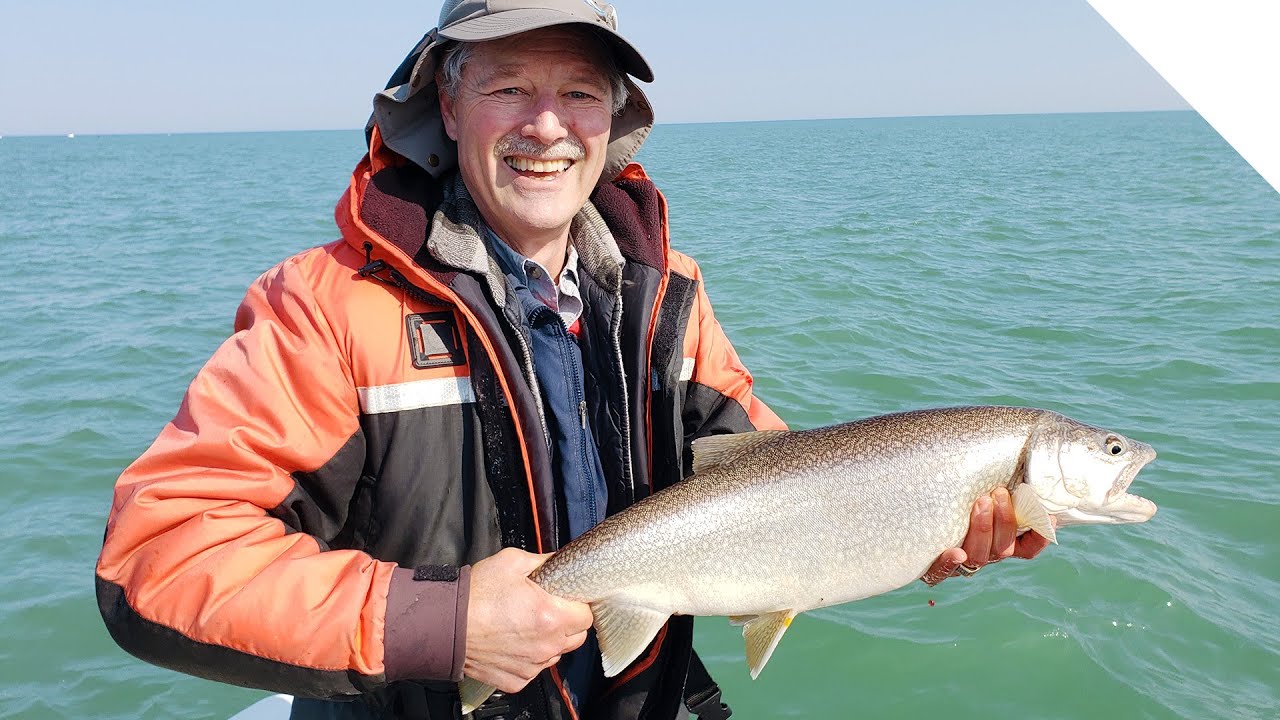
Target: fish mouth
<point>1143,454</point>
<point>1123,507</point>
<point>1118,507</point>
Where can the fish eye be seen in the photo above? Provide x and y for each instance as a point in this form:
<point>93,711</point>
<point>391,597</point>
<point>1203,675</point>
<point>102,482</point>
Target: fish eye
<point>1114,446</point>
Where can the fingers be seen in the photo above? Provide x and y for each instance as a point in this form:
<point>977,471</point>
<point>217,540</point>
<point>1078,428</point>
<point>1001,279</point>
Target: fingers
<point>507,682</point>
<point>1004,528</point>
<point>993,536</point>
<point>515,629</point>
<point>1030,544</point>
<point>573,642</point>
<point>942,568</point>
<point>977,544</point>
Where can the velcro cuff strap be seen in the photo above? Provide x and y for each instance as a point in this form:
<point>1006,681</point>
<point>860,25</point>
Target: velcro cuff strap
<point>425,629</point>
<point>436,573</point>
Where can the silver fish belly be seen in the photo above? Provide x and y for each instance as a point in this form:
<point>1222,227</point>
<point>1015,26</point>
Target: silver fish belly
<point>776,523</point>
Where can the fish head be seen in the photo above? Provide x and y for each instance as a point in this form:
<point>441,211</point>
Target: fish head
<point>1082,473</point>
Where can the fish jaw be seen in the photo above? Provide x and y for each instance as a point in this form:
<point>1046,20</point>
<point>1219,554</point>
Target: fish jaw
<point>1128,508</point>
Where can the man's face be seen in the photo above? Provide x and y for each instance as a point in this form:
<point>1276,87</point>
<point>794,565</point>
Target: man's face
<point>532,120</point>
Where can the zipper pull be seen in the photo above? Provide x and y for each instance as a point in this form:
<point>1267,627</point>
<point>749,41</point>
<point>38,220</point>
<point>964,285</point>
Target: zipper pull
<point>582,413</point>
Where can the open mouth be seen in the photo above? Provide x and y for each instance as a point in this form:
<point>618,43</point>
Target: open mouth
<point>1144,454</point>
<point>530,167</point>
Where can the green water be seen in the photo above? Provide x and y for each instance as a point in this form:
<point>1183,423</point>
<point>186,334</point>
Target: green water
<point>1123,269</point>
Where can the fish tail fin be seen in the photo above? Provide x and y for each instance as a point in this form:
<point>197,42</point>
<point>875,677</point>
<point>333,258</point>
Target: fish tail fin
<point>473,693</point>
<point>624,631</point>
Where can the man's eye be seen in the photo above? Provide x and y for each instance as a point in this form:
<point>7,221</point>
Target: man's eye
<point>509,91</point>
<point>579,95</point>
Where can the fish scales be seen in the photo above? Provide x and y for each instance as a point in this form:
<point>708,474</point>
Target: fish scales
<point>773,524</point>
<point>811,518</point>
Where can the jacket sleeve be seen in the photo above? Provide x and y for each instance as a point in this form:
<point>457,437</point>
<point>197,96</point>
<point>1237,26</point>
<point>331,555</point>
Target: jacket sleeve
<point>216,560</point>
<point>719,397</point>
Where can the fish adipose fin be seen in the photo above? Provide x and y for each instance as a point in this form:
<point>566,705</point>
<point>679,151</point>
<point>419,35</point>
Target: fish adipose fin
<point>624,631</point>
<point>708,452</point>
<point>1029,512</point>
<point>762,634</point>
<point>473,693</point>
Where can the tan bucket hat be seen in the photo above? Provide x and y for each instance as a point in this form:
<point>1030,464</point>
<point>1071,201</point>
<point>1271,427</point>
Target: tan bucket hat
<point>407,113</point>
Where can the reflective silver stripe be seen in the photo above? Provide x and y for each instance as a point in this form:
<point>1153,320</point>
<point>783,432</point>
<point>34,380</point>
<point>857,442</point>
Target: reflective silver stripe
<point>418,394</point>
<point>686,369</point>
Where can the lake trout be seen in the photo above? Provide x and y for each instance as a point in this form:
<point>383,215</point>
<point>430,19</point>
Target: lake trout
<point>775,523</point>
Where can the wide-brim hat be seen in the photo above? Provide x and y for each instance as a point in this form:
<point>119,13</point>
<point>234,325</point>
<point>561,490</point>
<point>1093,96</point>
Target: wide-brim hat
<point>407,113</point>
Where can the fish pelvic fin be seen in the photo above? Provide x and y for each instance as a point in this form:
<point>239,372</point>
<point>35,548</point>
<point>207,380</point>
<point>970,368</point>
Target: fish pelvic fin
<point>624,631</point>
<point>1029,512</point>
<point>473,693</point>
<point>709,452</point>
<point>762,634</point>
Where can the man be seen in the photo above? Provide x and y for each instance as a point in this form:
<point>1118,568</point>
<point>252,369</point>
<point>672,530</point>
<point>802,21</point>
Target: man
<point>501,350</point>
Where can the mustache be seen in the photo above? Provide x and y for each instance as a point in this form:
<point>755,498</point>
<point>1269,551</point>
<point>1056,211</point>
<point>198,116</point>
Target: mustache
<point>568,147</point>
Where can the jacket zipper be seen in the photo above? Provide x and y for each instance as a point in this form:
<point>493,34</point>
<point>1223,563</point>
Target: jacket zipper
<point>627,469</point>
<point>531,376</point>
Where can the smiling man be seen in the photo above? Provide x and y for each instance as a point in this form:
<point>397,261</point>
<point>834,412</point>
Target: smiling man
<point>531,115</point>
<point>500,351</point>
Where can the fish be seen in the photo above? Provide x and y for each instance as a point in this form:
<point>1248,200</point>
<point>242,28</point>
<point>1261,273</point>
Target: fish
<point>775,523</point>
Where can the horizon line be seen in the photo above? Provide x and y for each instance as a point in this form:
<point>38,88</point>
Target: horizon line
<point>149,133</point>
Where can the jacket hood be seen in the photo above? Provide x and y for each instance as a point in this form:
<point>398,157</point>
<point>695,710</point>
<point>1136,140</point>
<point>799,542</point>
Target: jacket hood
<point>398,211</point>
<point>407,116</point>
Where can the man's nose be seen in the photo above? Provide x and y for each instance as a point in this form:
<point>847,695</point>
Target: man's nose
<point>545,126</point>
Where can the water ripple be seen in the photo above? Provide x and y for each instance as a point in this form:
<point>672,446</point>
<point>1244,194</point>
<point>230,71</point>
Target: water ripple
<point>1123,269</point>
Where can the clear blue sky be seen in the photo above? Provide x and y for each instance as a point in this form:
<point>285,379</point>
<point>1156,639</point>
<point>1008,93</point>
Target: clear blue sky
<point>151,66</point>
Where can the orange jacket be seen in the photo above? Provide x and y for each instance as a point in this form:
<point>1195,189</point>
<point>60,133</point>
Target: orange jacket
<point>304,524</point>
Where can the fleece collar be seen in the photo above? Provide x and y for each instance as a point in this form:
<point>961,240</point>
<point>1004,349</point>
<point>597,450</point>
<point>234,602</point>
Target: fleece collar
<point>457,240</point>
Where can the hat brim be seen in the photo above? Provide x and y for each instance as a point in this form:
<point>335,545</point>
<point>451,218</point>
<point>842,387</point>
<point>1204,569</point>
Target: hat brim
<point>407,113</point>
<point>513,22</point>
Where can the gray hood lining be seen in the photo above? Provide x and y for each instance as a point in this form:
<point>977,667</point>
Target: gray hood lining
<point>408,120</point>
<point>456,240</point>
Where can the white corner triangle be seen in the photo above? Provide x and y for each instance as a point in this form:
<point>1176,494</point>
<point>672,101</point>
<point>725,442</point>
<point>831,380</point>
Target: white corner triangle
<point>1222,57</point>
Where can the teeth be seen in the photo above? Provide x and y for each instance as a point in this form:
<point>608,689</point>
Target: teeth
<point>522,164</point>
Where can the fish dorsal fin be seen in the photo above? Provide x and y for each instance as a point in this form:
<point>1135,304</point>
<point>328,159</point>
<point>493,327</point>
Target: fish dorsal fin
<point>1029,512</point>
<point>762,634</point>
<point>624,632</point>
<point>473,693</point>
<point>708,452</point>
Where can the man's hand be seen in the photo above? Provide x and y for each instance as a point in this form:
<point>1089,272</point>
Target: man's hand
<point>993,536</point>
<point>515,628</point>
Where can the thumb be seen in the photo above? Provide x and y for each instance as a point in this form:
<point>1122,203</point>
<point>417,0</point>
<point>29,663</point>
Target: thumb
<point>577,615</point>
<point>525,562</point>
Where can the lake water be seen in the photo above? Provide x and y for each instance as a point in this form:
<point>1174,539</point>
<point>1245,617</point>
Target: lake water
<point>1123,269</point>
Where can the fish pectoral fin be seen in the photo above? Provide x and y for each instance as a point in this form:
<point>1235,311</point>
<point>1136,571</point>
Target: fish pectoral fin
<point>624,631</point>
<point>708,452</point>
<point>740,620</point>
<point>1029,512</point>
<point>473,693</point>
<point>762,634</point>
